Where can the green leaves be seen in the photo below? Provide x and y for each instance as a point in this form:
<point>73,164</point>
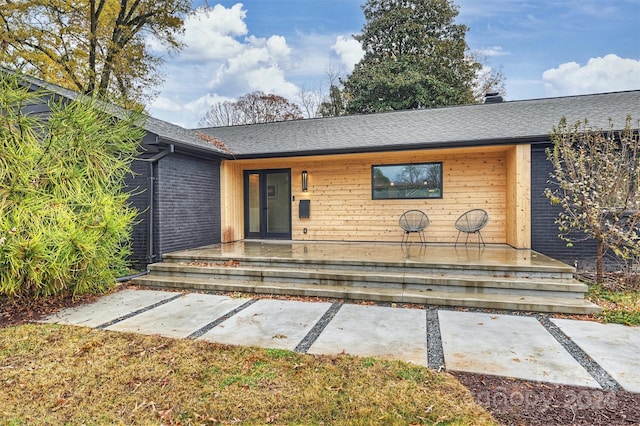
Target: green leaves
<point>415,56</point>
<point>97,47</point>
<point>64,220</point>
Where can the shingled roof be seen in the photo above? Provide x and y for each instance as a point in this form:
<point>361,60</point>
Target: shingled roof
<point>528,121</point>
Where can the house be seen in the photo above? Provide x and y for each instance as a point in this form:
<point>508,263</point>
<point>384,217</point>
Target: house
<point>350,178</point>
<point>490,156</point>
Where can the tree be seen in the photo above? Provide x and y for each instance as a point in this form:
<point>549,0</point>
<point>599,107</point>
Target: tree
<point>596,182</point>
<point>487,80</point>
<point>65,222</point>
<point>335,105</point>
<point>252,108</point>
<point>222,114</point>
<point>96,47</point>
<point>310,100</point>
<point>415,56</point>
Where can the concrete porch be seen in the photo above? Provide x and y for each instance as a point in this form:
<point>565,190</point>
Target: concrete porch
<point>495,276</point>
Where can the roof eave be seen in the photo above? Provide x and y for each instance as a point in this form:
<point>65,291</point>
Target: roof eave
<point>193,149</point>
<point>395,148</point>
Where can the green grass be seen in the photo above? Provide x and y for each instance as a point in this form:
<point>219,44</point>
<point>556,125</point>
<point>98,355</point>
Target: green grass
<point>620,306</point>
<point>54,374</point>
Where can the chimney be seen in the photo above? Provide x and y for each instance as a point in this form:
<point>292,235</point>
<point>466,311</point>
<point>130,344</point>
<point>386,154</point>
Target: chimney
<point>493,98</point>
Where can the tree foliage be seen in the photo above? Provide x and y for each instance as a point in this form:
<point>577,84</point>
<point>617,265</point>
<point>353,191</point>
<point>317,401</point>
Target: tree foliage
<point>335,105</point>
<point>96,47</point>
<point>252,108</point>
<point>596,183</point>
<point>64,220</point>
<point>415,56</point>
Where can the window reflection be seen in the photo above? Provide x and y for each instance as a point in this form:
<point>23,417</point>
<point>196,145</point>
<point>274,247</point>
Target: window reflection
<point>422,180</point>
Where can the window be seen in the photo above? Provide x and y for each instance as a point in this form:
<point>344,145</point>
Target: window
<point>422,180</point>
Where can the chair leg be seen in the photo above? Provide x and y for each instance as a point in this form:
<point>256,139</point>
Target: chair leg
<point>480,239</point>
<point>456,244</point>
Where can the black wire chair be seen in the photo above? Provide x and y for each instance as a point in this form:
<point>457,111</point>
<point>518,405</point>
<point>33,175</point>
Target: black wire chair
<point>413,221</point>
<point>471,222</point>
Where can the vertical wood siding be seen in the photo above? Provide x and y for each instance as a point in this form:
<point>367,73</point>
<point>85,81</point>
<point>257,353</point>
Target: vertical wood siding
<point>519,196</point>
<point>342,208</point>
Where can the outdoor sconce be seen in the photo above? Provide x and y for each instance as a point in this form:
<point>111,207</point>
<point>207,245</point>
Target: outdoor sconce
<point>305,181</point>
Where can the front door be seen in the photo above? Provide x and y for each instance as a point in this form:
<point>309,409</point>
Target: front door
<point>267,201</point>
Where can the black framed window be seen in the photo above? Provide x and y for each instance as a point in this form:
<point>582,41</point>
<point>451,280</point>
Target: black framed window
<point>401,181</point>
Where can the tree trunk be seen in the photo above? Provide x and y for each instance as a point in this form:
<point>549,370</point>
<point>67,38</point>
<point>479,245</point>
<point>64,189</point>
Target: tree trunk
<point>599,261</point>
<point>93,43</point>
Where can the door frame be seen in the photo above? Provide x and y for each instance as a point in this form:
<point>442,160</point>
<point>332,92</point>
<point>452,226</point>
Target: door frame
<point>263,205</point>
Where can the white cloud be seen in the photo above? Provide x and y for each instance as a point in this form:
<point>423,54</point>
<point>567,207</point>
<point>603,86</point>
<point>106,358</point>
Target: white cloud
<point>185,113</point>
<point>349,50</point>
<point>221,61</point>
<point>492,51</point>
<point>271,80</point>
<point>603,74</point>
<point>210,34</point>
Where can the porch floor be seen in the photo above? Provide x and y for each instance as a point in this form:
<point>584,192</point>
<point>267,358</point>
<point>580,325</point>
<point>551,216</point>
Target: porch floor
<point>470,255</point>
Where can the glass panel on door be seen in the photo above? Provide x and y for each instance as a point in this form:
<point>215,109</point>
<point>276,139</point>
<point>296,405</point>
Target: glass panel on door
<point>254,202</point>
<point>278,203</point>
<point>268,204</point>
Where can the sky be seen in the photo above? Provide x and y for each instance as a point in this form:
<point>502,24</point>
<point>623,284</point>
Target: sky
<point>544,48</point>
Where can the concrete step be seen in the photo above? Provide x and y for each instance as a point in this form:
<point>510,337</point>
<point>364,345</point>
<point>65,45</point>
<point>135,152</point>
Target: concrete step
<point>381,294</point>
<point>443,282</point>
<point>543,270</point>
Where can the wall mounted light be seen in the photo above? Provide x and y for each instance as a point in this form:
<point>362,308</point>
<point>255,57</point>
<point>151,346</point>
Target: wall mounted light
<point>305,181</point>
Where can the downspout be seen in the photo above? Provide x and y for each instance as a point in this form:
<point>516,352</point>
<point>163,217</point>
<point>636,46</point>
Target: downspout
<point>152,178</point>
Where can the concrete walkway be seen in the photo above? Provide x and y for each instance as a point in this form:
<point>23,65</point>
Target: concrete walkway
<point>531,347</point>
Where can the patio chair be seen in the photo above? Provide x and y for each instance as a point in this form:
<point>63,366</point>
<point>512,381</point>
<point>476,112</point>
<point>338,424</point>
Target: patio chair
<point>413,221</point>
<point>471,222</point>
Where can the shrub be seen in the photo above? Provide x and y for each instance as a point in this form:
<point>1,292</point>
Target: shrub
<point>65,221</point>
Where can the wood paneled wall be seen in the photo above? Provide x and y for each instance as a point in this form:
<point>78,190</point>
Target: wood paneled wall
<point>342,208</point>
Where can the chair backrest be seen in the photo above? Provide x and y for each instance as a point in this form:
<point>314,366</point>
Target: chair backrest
<point>472,220</point>
<point>413,221</point>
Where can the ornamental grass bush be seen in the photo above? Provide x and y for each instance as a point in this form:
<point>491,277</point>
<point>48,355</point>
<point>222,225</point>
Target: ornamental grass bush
<point>65,220</point>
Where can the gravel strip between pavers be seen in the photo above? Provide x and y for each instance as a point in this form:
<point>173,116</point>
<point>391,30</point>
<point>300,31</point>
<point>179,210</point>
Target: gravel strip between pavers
<point>138,312</point>
<point>599,374</point>
<point>435,353</point>
<point>318,328</point>
<point>220,320</point>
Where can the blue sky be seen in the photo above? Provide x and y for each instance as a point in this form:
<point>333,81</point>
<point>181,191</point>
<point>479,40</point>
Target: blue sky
<point>544,48</point>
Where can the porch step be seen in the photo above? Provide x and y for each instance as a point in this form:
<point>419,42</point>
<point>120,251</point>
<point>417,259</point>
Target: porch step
<point>556,271</point>
<point>380,294</point>
<point>443,281</point>
<point>495,277</point>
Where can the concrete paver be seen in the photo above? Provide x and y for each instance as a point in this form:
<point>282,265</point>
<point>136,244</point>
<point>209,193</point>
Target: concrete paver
<point>483,343</point>
<point>615,347</point>
<point>507,345</point>
<point>376,331</point>
<point>180,317</point>
<point>278,324</point>
<point>109,307</point>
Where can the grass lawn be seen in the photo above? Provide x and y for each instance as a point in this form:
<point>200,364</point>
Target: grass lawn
<point>54,374</point>
<point>621,306</point>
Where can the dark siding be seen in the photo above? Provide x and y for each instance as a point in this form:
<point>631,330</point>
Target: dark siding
<point>137,185</point>
<point>544,232</point>
<point>188,202</point>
